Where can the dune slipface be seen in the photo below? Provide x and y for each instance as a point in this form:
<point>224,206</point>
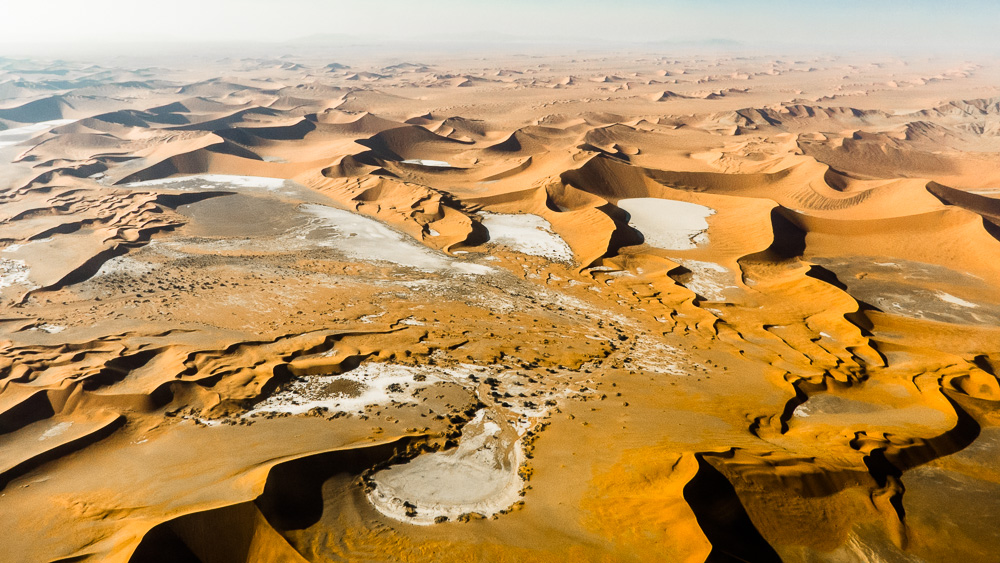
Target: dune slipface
<point>524,309</point>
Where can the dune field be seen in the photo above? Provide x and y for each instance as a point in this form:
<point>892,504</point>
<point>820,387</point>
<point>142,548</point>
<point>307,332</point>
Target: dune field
<point>523,308</point>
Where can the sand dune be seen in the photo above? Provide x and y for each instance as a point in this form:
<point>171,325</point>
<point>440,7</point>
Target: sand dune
<point>524,309</point>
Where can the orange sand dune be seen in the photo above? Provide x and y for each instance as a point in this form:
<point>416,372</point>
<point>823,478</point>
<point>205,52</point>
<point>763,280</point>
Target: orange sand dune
<point>531,308</point>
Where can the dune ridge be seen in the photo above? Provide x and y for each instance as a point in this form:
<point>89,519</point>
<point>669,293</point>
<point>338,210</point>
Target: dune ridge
<point>656,308</point>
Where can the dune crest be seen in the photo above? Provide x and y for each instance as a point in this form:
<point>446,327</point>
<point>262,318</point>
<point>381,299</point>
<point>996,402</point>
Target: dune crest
<point>528,308</point>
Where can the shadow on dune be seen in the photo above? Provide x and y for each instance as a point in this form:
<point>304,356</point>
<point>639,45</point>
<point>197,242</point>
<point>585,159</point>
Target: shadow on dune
<point>723,519</point>
<point>251,531</point>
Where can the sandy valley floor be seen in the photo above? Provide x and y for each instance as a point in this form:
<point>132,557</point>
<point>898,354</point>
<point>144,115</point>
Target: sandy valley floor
<point>623,308</point>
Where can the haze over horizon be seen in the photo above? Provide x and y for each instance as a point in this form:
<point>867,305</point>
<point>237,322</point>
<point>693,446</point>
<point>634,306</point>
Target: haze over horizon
<point>965,27</point>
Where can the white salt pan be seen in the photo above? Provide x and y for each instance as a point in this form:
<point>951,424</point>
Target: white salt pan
<point>708,279</point>
<point>56,430</point>
<point>527,233</point>
<point>480,475</point>
<point>372,382</point>
<point>10,137</point>
<point>217,180</point>
<point>949,298</point>
<point>367,239</point>
<point>14,272</point>
<point>668,224</point>
<point>422,162</point>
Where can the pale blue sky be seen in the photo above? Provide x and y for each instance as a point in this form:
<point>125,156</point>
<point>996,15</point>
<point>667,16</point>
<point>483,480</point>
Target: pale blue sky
<point>957,25</point>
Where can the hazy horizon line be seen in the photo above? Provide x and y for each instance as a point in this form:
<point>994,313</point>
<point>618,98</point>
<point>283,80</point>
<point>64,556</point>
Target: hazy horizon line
<point>487,43</point>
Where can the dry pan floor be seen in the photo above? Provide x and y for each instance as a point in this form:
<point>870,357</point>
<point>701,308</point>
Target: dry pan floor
<point>653,309</point>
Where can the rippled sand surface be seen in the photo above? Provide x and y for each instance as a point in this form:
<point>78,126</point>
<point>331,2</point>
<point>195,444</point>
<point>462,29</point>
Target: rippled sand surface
<point>693,308</point>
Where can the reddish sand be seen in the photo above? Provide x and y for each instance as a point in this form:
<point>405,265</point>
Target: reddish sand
<point>517,309</point>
